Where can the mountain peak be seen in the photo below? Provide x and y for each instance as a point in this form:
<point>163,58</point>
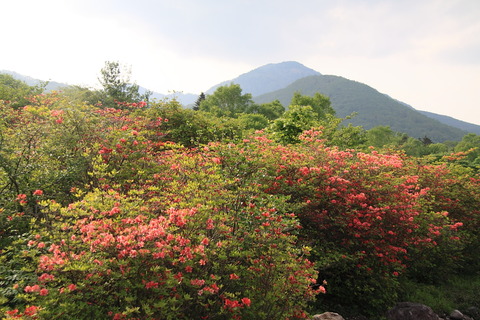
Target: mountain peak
<point>286,66</point>
<point>269,77</point>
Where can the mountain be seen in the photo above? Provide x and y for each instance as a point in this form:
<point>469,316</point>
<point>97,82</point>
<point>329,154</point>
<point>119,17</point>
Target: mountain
<point>183,98</point>
<point>270,77</point>
<point>51,85</point>
<point>277,80</point>
<point>372,108</point>
<point>466,126</point>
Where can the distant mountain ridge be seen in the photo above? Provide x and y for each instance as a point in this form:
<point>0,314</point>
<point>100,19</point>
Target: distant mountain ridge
<point>183,98</point>
<point>372,108</point>
<point>466,126</point>
<point>269,77</point>
<point>51,85</point>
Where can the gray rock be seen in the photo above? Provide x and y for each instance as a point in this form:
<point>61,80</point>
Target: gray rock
<point>328,316</point>
<point>456,315</point>
<point>411,311</point>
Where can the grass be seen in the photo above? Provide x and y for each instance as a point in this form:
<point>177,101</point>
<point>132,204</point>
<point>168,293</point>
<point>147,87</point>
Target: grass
<point>460,292</point>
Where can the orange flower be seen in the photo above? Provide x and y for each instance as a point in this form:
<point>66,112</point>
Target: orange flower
<point>246,301</point>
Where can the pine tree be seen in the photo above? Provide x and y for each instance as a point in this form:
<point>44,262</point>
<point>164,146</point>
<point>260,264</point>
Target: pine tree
<point>200,98</point>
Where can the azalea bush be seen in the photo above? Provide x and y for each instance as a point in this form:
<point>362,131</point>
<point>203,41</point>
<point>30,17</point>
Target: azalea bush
<point>146,255</point>
<point>103,216</point>
<point>363,213</point>
<point>160,233</point>
<point>43,154</point>
<point>453,190</point>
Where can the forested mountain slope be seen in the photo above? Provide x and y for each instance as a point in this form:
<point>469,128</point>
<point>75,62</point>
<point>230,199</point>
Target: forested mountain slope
<point>372,108</point>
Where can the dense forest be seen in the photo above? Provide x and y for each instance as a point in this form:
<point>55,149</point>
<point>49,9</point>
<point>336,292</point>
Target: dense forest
<point>116,206</point>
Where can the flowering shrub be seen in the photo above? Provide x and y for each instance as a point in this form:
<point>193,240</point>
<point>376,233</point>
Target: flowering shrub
<point>163,234</point>
<point>363,213</point>
<point>103,218</point>
<point>135,256</point>
<point>454,191</point>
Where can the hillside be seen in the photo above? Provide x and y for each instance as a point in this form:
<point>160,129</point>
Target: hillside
<point>51,85</point>
<point>270,77</point>
<point>466,126</point>
<point>183,98</point>
<point>372,107</point>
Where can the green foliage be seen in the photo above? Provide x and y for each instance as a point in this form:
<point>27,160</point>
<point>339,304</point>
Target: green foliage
<point>17,265</point>
<point>333,133</point>
<point>253,122</point>
<point>36,154</point>
<point>460,292</point>
<point>415,147</point>
<point>227,101</point>
<point>320,104</point>
<point>373,108</point>
<point>292,123</point>
<point>115,80</point>
<point>366,215</point>
<point>157,232</point>
<point>145,212</point>
<point>437,149</point>
<point>453,190</point>
<point>188,243</point>
<point>471,145</point>
<point>271,111</point>
<point>382,136</point>
<point>199,100</point>
<point>307,112</point>
<point>15,92</point>
<point>193,128</point>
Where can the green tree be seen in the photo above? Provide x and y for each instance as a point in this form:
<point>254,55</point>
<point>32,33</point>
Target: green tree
<point>414,147</point>
<point>470,143</point>
<point>271,110</point>
<point>426,140</point>
<point>115,80</point>
<point>437,148</point>
<point>227,101</point>
<point>336,134</point>
<point>200,98</point>
<point>381,136</point>
<point>320,104</point>
<point>294,121</point>
<point>253,121</point>
<point>304,113</point>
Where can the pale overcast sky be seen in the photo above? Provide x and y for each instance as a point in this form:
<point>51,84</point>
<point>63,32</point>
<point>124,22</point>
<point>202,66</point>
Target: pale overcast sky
<point>425,53</point>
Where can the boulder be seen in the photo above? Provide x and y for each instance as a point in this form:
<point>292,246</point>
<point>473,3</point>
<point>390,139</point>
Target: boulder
<point>411,311</point>
<point>328,316</point>
<point>456,315</point>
